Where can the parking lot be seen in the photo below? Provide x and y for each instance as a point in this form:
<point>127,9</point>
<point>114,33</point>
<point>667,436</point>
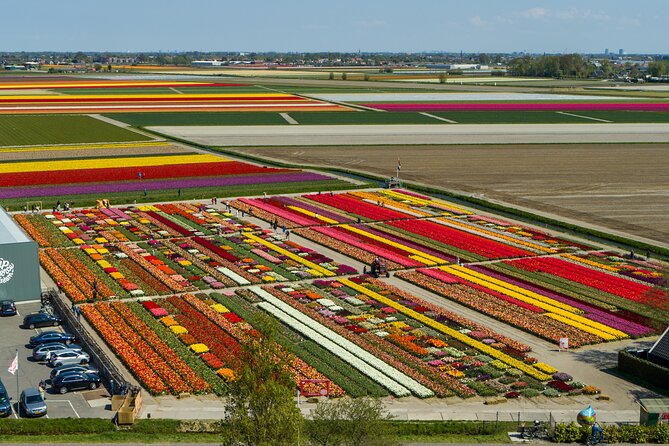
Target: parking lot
<point>79,404</point>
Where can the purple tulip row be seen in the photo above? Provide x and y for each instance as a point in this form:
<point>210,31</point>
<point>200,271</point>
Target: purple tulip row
<point>138,186</point>
<point>591,312</point>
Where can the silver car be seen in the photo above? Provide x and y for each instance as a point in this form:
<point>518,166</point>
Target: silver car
<point>43,352</point>
<point>69,357</point>
<point>31,403</point>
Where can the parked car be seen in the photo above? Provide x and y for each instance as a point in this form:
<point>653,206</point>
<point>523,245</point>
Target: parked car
<point>7,308</point>
<point>42,352</point>
<point>51,336</point>
<point>5,402</point>
<point>68,357</point>
<point>75,381</point>
<point>31,403</point>
<point>41,320</point>
<point>72,368</point>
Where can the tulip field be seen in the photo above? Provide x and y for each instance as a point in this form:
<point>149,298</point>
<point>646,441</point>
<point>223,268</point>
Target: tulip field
<point>193,246</point>
<point>129,170</point>
<point>173,289</point>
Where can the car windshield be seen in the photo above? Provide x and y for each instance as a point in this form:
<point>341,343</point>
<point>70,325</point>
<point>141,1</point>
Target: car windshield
<point>33,399</point>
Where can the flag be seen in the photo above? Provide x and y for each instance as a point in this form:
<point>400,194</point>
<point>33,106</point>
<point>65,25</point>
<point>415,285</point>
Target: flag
<point>399,165</point>
<point>15,364</point>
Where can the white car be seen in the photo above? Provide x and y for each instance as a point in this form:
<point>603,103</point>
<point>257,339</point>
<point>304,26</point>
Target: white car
<point>69,357</point>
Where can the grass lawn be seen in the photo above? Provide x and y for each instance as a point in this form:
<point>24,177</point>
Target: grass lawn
<point>22,130</point>
<point>199,118</point>
<point>271,118</point>
<point>628,116</point>
<point>363,117</point>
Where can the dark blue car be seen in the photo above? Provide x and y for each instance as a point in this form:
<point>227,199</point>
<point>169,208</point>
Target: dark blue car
<point>51,336</point>
<point>5,404</point>
<point>40,320</point>
<point>7,308</point>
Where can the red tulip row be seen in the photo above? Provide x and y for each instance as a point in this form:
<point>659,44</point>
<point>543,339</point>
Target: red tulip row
<point>482,246</point>
<point>349,203</point>
<point>114,174</point>
<point>587,276</point>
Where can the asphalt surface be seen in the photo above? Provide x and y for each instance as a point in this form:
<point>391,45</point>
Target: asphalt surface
<point>80,404</point>
<point>313,135</point>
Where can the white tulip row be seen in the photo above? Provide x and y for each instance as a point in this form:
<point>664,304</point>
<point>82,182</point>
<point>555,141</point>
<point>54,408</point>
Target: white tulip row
<point>233,275</point>
<point>389,377</point>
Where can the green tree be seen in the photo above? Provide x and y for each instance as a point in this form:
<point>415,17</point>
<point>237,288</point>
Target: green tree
<point>350,422</point>
<point>657,68</point>
<point>343,76</point>
<point>260,410</point>
<point>331,75</point>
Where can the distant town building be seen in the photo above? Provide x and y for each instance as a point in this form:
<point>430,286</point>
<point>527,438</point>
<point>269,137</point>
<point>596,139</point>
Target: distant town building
<point>621,52</point>
<point>121,60</point>
<point>207,63</point>
<point>606,51</point>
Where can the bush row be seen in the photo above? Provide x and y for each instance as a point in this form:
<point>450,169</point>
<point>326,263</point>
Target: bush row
<point>571,433</point>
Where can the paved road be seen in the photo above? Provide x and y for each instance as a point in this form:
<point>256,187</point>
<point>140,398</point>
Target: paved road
<point>298,135</point>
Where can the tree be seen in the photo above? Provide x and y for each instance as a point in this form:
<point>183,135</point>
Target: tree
<point>657,68</point>
<point>331,75</point>
<point>260,410</point>
<point>350,422</point>
<point>343,76</point>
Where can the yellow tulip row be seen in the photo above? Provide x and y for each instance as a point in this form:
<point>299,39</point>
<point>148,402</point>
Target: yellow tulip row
<point>600,333</point>
<point>192,96</point>
<point>114,145</point>
<point>511,290</point>
<point>49,85</point>
<point>102,163</point>
<point>420,254</point>
<point>591,263</point>
<point>567,314</point>
<point>421,201</point>
<point>314,267</point>
<point>500,236</point>
<point>480,346</point>
<point>313,214</point>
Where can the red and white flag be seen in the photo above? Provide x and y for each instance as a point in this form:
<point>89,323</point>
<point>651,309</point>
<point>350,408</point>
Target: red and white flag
<point>14,367</point>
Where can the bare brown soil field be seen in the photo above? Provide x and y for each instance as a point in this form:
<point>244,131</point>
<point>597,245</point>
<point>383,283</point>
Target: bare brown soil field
<point>622,187</point>
<point>27,154</point>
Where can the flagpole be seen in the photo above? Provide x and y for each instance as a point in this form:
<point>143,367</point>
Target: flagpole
<point>18,393</point>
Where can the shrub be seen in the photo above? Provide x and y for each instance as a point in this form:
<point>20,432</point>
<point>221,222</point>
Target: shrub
<point>660,434</point>
<point>634,434</point>
<point>551,393</point>
<point>529,393</point>
<point>569,433</point>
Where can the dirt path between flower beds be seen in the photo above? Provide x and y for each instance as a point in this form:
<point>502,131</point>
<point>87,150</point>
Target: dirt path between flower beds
<point>617,187</point>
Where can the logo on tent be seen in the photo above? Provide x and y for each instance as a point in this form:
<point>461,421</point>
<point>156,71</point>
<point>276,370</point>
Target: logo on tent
<point>6,270</point>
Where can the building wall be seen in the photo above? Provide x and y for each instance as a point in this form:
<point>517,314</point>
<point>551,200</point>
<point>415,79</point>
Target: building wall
<point>19,271</point>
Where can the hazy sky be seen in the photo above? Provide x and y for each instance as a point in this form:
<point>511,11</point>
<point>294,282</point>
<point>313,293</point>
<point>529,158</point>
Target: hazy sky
<point>335,25</point>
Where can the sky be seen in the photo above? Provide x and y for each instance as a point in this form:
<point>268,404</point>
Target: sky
<point>558,26</point>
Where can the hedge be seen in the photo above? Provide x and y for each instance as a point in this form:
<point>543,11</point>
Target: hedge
<point>644,369</point>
